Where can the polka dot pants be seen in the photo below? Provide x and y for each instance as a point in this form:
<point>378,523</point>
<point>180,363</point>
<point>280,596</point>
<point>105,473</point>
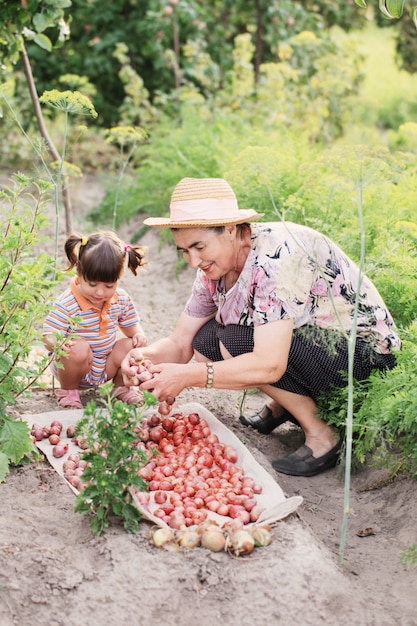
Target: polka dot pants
<point>313,367</point>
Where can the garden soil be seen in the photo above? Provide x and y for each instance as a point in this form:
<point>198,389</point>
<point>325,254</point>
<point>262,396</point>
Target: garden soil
<point>55,572</point>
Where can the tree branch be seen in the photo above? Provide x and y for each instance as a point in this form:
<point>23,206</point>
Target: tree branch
<point>44,132</point>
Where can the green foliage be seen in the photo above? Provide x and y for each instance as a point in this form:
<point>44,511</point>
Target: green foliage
<point>409,556</point>
<point>394,254</point>
<point>171,153</point>
<point>336,13</point>
<point>209,134</point>
<point>313,84</point>
<point>15,444</point>
<point>96,31</point>
<point>27,279</point>
<point>270,175</point>
<point>387,95</point>
<point>127,139</point>
<point>114,456</point>
<point>31,21</point>
<point>136,107</point>
<point>14,440</point>
<point>385,412</point>
<point>393,9</point>
<point>159,35</point>
<point>406,44</point>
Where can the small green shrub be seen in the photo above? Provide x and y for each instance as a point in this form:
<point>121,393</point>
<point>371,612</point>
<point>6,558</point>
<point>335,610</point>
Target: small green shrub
<point>385,412</point>
<point>409,556</point>
<point>114,459</point>
<point>27,279</point>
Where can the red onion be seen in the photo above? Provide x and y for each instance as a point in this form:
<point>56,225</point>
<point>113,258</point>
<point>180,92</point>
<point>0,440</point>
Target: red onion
<point>71,431</point>
<point>196,472</point>
<point>38,434</point>
<point>59,450</point>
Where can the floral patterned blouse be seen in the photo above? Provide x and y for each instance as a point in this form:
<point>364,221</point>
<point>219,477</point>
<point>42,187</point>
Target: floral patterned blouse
<point>293,271</point>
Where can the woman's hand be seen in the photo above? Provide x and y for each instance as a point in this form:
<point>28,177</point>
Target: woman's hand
<point>167,380</point>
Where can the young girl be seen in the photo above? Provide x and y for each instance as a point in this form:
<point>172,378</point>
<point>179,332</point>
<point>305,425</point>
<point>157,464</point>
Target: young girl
<point>95,355</point>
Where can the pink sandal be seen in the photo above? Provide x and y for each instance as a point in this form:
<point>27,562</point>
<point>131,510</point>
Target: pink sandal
<point>69,398</point>
<point>130,395</point>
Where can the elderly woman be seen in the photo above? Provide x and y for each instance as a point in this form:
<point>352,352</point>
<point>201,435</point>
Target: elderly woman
<point>271,306</point>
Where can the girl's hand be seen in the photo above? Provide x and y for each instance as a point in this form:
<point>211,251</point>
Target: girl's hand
<point>66,347</point>
<point>129,367</point>
<point>139,340</point>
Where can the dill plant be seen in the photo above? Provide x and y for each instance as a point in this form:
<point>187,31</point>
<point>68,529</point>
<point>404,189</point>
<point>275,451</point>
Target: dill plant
<point>127,139</point>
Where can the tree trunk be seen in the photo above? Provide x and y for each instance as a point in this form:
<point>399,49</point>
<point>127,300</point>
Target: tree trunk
<point>44,132</point>
<point>176,44</point>
<point>258,40</point>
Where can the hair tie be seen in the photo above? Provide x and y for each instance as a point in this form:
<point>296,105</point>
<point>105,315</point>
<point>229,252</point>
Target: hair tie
<point>128,248</point>
<point>84,241</point>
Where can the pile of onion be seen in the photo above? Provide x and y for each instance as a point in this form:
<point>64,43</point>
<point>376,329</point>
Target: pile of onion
<point>190,472</point>
<point>233,537</point>
<point>51,432</point>
<point>73,468</point>
<point>73,465</point>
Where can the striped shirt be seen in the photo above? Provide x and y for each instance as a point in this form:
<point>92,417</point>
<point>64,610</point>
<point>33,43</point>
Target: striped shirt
<point>96,326</point>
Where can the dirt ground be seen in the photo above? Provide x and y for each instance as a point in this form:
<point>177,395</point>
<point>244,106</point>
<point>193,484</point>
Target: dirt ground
<point>55,572</point>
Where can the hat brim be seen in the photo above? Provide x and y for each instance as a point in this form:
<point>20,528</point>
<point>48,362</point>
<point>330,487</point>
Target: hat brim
<point>162,222</point>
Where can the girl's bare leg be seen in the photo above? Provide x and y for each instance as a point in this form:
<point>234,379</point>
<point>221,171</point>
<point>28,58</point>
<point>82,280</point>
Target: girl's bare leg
<point>75,364</point>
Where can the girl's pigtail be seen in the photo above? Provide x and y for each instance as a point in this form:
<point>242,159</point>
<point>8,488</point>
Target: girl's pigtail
<point>135,257</point>
<point>71,248</point>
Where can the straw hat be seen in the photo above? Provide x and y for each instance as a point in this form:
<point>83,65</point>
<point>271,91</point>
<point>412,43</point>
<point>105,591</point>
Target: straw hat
<point>200,202</point>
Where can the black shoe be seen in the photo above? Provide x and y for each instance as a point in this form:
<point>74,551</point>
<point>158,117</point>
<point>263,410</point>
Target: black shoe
<point>264,422</point>
<point>303,463</point>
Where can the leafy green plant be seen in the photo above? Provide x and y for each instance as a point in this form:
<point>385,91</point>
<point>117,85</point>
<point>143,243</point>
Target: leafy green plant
<point>409,556</point>
<point>114,459</point>
<point>127,139</point>
<point>308,87</point>
<point>27,279</point>
<point>59,171</point>
<point>393,9</point>
<point>384,412</point>
<point>172,153</point>
<point>217,133</point>
<point>29,22</point>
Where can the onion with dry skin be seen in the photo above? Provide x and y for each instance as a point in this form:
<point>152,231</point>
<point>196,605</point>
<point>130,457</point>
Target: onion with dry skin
<point>188,538</point>
<point>241,543</point>
<point>261,535</point>
<point>213,538</point>
<point>163,536</point>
